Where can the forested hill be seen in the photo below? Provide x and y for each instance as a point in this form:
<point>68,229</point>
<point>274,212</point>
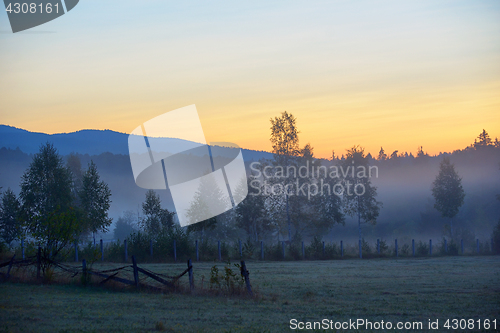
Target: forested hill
<point>92,142</point>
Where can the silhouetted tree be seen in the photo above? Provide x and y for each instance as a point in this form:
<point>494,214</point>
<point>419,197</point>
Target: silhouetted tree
<point>421,153</point>
<point>125,225</point>
<point>250,213</point>
<point>448,191</point>
<point>382,156</point>
<point>10,226</point>
<point>156,219</point>
<point>483,140</point>
<point>285,144</point>
<point>95,199</point>
<point>46,203</point>
<point>359,194</point>
<point>75,167</point>
<point>208,200</point>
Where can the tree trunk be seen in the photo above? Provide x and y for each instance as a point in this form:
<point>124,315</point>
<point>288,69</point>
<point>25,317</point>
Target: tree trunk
<point>288,219</point>
<point>359,231</point>
<point>451,228</point>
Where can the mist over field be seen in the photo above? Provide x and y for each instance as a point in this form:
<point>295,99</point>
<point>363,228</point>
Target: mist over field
<point>403,185</point>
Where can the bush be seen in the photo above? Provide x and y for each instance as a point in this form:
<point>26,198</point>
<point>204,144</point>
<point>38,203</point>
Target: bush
<point>249,248</point>
<point>273,252</point>
<point>230,282</point>
<point>365,247</point>
<point>405,250</point>
<point>315,249</point>
<point>90,253</point>
<point>422,249</point>
<point>383,246</point>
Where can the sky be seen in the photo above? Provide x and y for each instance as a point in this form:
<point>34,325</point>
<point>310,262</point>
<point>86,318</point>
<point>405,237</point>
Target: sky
<point>396,74</point>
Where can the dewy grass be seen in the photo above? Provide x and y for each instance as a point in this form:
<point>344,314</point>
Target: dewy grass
<point>376,289</point>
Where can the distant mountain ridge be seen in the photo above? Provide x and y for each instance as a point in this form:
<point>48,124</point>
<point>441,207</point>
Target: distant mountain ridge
<point>92,142</point>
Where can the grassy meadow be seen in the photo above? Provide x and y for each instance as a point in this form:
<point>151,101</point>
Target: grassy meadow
<point>377,289</point>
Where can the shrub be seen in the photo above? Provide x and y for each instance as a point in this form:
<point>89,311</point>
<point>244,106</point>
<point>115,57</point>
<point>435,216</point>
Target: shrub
<point>229,282</point>
<point>383,246</point>
<point>249,248</point>
<point>365,247</point>
<point>422,249</point>
<point>405,250</point>
<point>315,249</point>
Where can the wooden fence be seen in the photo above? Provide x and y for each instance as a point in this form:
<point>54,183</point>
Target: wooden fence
<point>169,282</point>
<point>285,245</point>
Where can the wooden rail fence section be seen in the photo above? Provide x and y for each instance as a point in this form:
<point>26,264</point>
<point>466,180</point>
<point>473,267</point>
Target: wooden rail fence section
<point>111,274</point>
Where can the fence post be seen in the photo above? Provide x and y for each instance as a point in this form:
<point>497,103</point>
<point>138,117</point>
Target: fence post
<point>175,250</point>
<point>126,252</point>
<point>378,245</point>
<point>462,245</point>
<point>396,246</point>
<point>445,246</point>
<point>360,249</point>
<point>262,250</point>
<point>102,250</point>
<point>413,247</point>
<point>341,249</point>
<point>303,251</point>
<point>151,248</point>
<point>477,245</point>
<point>76,251</point>
<point>84,272</point>
<point>323,248</point>
<point>245,274</point>
<point>241,252</point>
<point>197,253</point>
<point>39,262</point>
<point>283,246</point>
<point>218,250</point>
<point>22,247</point>
<point>430,247</point>
<point>136,272</point>
<point>190,272</point>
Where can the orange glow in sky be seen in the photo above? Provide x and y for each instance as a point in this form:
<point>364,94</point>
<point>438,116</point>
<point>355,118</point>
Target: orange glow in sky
<point>393,74</point>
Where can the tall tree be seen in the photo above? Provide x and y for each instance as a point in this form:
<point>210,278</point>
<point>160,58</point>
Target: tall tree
<point>156,219</point>
<point>285,144</point>
<point>125,225</point>
<point>382,156</point>
<point>448,191</point>
<point>10,227</point>
<point>359,198</point>
<point>420,152</point>
<point>75,167</point>
<point>95,199</point>
<point>483,140</point>
<point>250,213</point>
<point>46,202</point>
<point>208,200</point>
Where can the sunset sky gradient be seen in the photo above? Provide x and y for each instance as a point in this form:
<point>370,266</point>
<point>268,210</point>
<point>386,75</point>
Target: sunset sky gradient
<point>396,74</point>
